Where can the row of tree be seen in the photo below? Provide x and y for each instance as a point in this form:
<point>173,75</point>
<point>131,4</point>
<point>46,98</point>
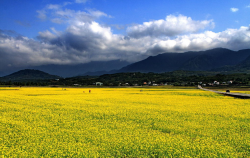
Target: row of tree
<point>136,78</point>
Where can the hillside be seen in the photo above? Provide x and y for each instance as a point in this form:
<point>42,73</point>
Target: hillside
<point>28,74</point>
<point>191,61</point>
<point>160,63</point>
<point>73,70</point>
<point>80,69</point>
<point>218,60</point>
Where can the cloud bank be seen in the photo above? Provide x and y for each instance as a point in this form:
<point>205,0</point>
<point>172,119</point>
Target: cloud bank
<point>85,40</point>
<point>171,26</point>
<point>234,9</point>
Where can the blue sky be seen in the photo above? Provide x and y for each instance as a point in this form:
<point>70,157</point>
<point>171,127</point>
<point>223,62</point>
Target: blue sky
<point>22,16</point>
<point>80,31</point>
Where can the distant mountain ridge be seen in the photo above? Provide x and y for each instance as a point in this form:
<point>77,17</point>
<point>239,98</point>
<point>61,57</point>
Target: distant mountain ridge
<point>28,74</point>
<point>81,69</point>
<point>73,70</point>
<point>191,61</point>
<point>218,59</point>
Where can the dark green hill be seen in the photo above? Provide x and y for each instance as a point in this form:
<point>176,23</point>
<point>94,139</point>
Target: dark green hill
<point>161,63</point>
<point>191,61</point>
<point>215,58</point>
<point>28,75</point>
<point>243,66</point>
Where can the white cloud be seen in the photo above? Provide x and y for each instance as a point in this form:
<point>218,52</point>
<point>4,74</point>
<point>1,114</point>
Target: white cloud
<point>81,1</point>
<point>57,20</point>
<point>234,39</point>
<point>171,26</point>
<point>234,9</point>
<point>97,13</point>
<point>86,40</point>
<point>53,6</point>
<point>58,15</point>
<point>66,3</point>
<point>248,6</point>
<point>41,14</point>
<point>46,35</point>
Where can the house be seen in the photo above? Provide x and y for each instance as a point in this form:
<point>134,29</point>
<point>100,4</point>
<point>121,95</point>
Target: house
<point>216,83</point>
<point>98,83</point>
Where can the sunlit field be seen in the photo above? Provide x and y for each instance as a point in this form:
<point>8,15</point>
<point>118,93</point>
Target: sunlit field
<point>122,122</point>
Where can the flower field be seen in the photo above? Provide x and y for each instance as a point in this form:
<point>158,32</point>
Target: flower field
<point>122,122</point>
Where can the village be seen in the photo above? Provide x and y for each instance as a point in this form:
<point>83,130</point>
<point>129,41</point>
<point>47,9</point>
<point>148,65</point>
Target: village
<point>178,78</point>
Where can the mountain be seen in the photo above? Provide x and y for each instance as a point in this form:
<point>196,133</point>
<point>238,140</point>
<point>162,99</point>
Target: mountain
<point>215,58</point>
<point>218,59</point>
<point>81,69</point>
<point>160,63</point>
<point>28,75</point>
<point>99,73</point>
<point>245,64</point>
<point>191,61</point>
<point>72,70</point>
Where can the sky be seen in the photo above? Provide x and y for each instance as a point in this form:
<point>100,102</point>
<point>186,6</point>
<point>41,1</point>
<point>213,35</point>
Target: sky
<point>34,33</point>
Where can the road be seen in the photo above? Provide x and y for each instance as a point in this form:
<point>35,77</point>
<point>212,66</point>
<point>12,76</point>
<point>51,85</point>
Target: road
<point>236,95</point>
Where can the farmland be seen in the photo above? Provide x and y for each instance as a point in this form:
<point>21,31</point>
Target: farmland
<point>122,122</point>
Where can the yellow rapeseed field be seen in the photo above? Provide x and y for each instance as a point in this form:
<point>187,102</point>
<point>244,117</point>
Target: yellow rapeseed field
<point>122,122</point>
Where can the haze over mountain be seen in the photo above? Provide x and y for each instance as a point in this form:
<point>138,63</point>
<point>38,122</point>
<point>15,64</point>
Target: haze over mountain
<point>219,59</point>
<point>74,70</point>
<point>80,69</point>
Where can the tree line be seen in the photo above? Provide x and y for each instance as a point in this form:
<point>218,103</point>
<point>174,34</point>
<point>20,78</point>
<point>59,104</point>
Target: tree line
<point>185,78</point>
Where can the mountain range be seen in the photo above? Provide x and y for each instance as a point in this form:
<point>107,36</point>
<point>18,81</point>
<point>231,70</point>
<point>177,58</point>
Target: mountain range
<point>193,61</point>
<point>75,69</point>
<point>218,59</point>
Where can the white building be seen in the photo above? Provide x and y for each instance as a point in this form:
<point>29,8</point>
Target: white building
<point>98,83</point>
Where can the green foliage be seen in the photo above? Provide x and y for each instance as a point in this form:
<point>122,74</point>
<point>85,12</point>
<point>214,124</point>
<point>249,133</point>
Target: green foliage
<point>177,78</point>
